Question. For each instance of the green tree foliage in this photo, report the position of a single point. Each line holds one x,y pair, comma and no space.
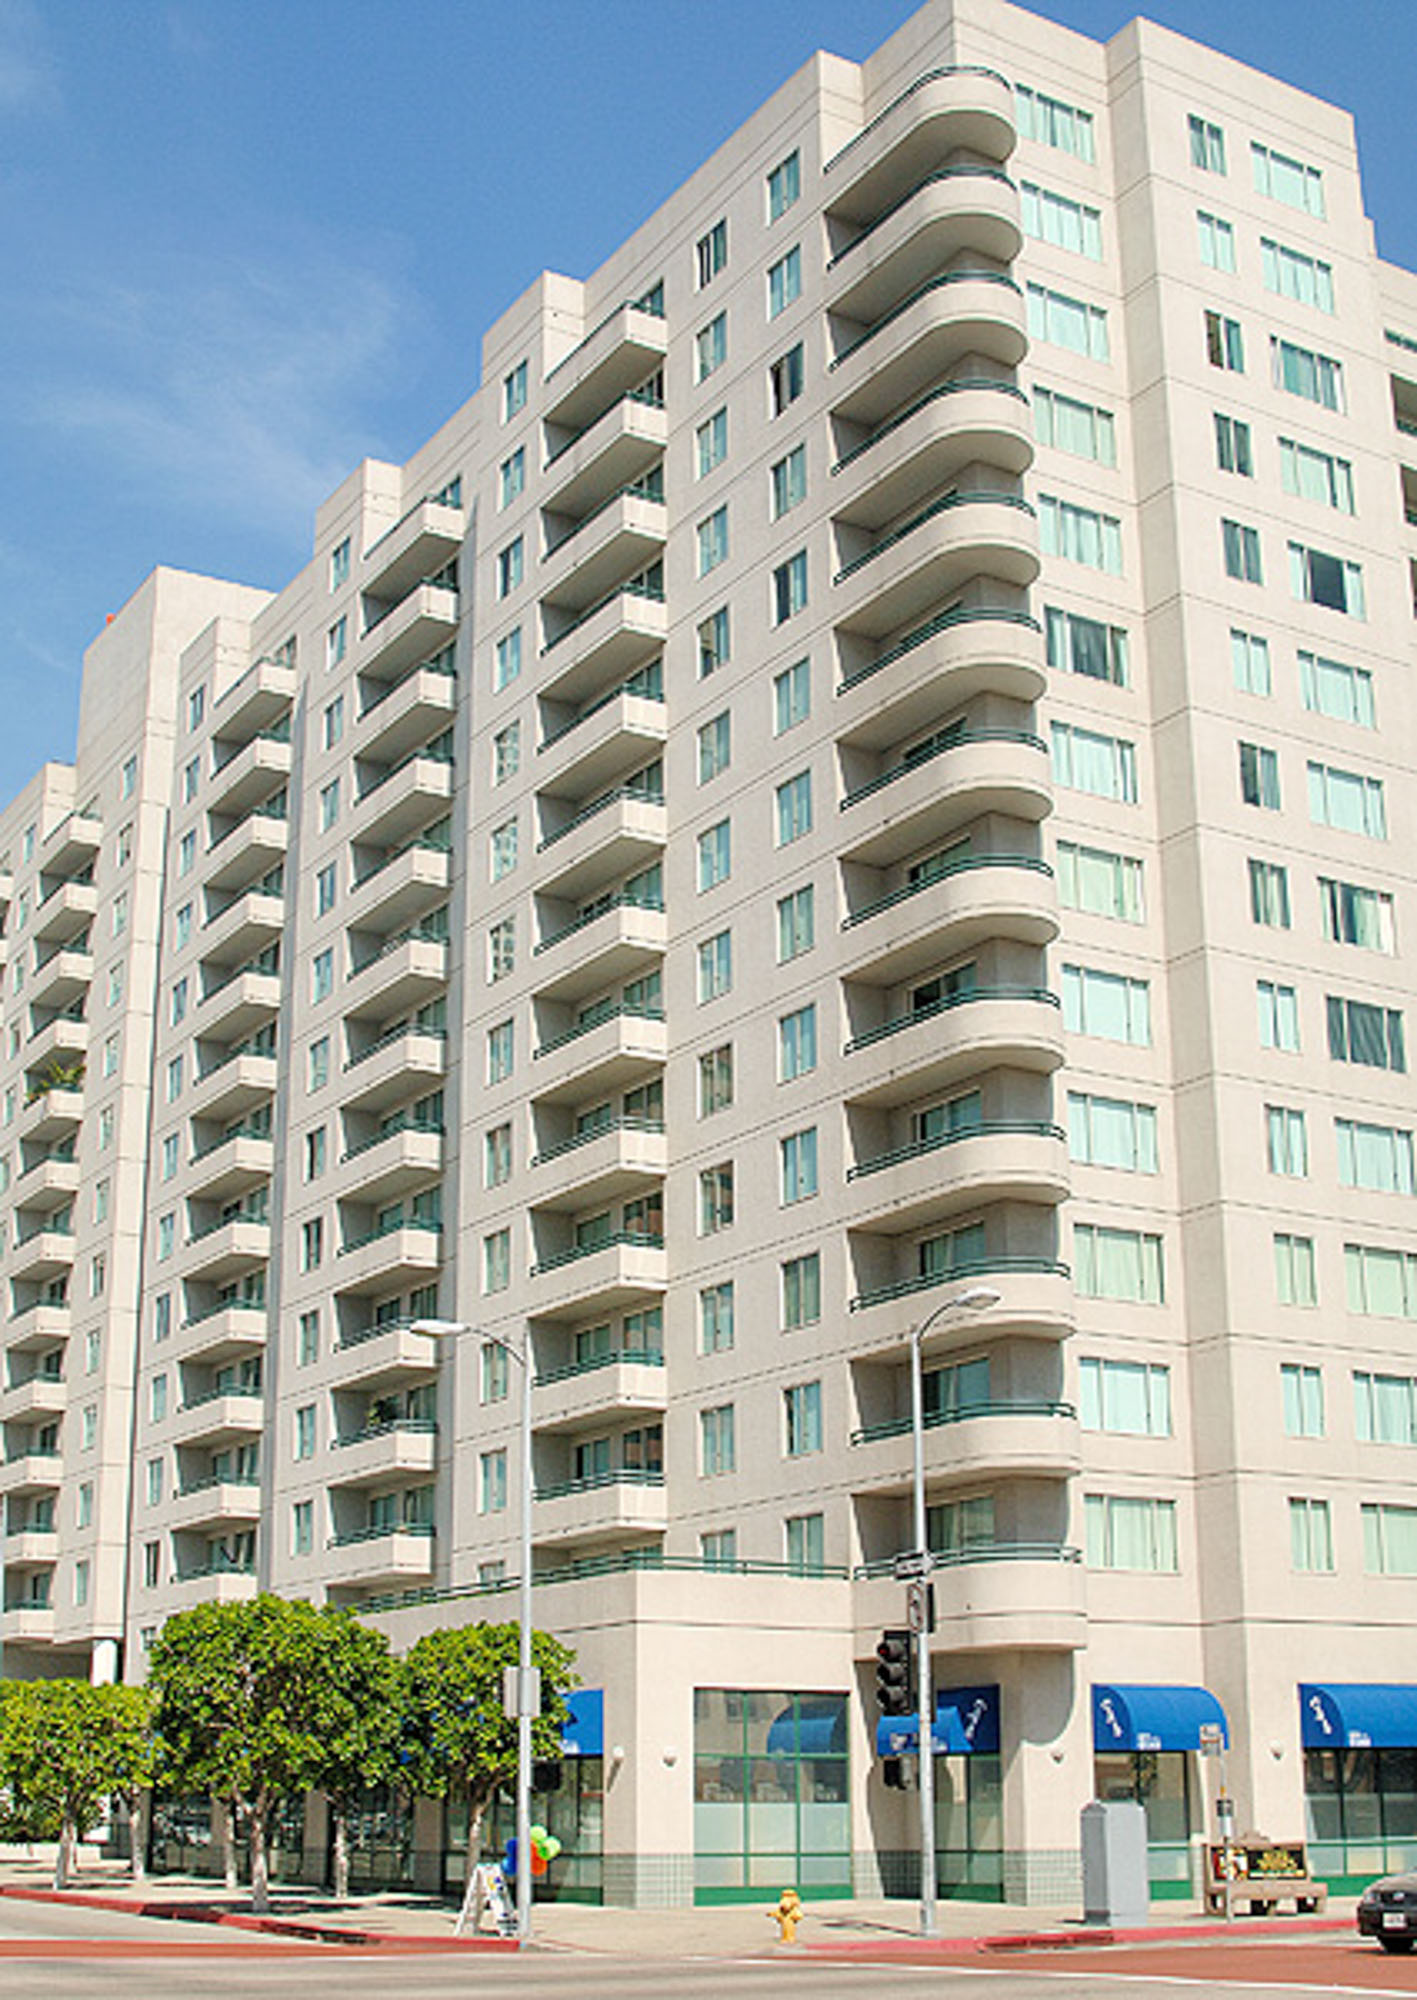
459,1742
66,1749
361,1710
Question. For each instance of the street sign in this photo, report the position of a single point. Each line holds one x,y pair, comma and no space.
920,1605
916,1562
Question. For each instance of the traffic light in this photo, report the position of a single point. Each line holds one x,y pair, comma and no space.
894,1774
895,1689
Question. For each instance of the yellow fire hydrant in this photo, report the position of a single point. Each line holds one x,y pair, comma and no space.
788,1914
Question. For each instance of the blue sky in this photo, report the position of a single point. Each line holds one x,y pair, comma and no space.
249,242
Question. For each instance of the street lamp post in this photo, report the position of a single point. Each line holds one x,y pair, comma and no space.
975,1299
522,1356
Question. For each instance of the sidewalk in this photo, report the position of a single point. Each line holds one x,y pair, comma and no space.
856,1930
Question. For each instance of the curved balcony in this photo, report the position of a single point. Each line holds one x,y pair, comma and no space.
918,450
606,642
1036,1439
254,703
613,1049
394,804
614,736
65,913
1009,1596
249,775
243,929
405,1448
219,1333
232,1165
959,904
938,1046
614,836
959,108
62,979
215,1504
604,365
219,1417
952,212
225,1250
399,890
1000,1159
419,544
394,1556
933,555
232,1086
249,849
1036,1300
387,1357
933,795
51,1116
605,1508
38,1396
615,943
236,1004
617,539
393,1163
383,1260
623,1157
42,1256
407,972
569,1398
416,627
394,1067
621,446
31,1472
927,675
396,719
614,1276
957,316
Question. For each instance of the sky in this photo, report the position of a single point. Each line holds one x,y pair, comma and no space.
246,243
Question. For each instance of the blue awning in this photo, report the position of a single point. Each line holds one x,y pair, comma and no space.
1153,1718
1358,1715
966,1723
810,1729
583,1732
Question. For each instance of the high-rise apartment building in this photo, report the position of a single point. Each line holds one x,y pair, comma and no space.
868,763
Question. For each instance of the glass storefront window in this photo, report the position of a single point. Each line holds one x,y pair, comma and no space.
771,1798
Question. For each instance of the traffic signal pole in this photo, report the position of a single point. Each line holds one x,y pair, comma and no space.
925,1719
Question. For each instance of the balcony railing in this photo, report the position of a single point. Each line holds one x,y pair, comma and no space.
653,592
596,1482
617,1239
384,1229
412,1426
969,498
392,1035
651,399
205,1313
959,614
242,1391
233,1132
215,1479
961,385
966,864
356,1336
654,1126
970,1267
651,489
260,1217
940,749
424,751
983,1128
389,1131
600,805
230,1567
979,1552
631,1357
945,279
926,76
597,1018
354,1536
599,910
965,1413
943,1005
633,305
940,174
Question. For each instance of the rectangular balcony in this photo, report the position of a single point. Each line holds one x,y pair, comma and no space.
614,836
235,1165
49,1184
408,972
419,544
394,1067
602,644
63,1039
569,1398
51,1117
243,929
205,1585
384,1260
585,752
28,1625
607,1508
235,1004
217,1418
624,443
613,1049
31,1548
215,1504
616,943
386,1357
39,1396
62,981
71,844
396,802
246,850
30,1472
44,1255
400,890
391,1452
254,703
394,720
214,1335
418,626
583,1283
249,775
65,913
393,1558
223,1251
617,540
392,1164
36,1327
231,1088
609,361
624,1158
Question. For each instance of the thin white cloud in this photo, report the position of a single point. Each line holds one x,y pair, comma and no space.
29,76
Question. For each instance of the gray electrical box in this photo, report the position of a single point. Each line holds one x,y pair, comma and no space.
1114,1870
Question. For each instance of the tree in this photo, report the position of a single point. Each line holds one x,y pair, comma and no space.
360,1693
243,1711
459,1742
66,1749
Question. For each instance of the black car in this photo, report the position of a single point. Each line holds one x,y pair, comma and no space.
1387,1910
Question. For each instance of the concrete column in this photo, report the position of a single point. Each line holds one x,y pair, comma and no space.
103,1662
1047,1760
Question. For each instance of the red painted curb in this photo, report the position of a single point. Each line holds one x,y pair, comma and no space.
291,1927
1030,1941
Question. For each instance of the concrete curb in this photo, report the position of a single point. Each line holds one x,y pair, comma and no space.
926,1950
174,1911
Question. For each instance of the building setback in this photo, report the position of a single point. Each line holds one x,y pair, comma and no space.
870,759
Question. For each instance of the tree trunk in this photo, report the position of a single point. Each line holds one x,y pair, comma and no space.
340,1827
228,1849
64,1854
476,1813
260,1878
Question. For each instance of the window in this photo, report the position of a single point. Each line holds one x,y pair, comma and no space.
1269,894
1084,760
334,722
1380,1283
312,1243
789,588
506,753
1302,1398
154,1489
1354,915
307,1339
1217,242
788,482
507,659
1376,1157
710,347
796,924
714,647
1099,882
715,1080
1082,429
1120,1264
804,1543
1259,776
322,975
325,882
305,1431
1310,1535
715,855
711,253
302,1528
497,1156
1384,1408
157,1394
162,1320
711,442
511,566
492,1482
1111,1132
712,541
127,785
319,1074
316,1150
336,642
83,1513
1347,801
500,1052
798,1159
1080,534
786,380
81,1580
717,1451
166,1236
1061,221
1286,1141
715,964
1061,321
797,1043
1242,552
1051,122
169,1157
794,808
502,950
1287,180
1343,693
802,1418
715,747
1232,446
514,388
784,282
497,1261
1293,275
187,851
152,1564
1389,1540
791,696
1279,1016
1131,1398
120,912
1107,1004
503,843
1304,373
1132,1534
329,804
1295,1276
123,846
496,1372
511,477
1224,343
716,1318
1249,662
1361,1033
1207,145
784,186
715,1198
801,1291
1316,475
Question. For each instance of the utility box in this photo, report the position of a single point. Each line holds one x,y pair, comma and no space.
1114,1871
